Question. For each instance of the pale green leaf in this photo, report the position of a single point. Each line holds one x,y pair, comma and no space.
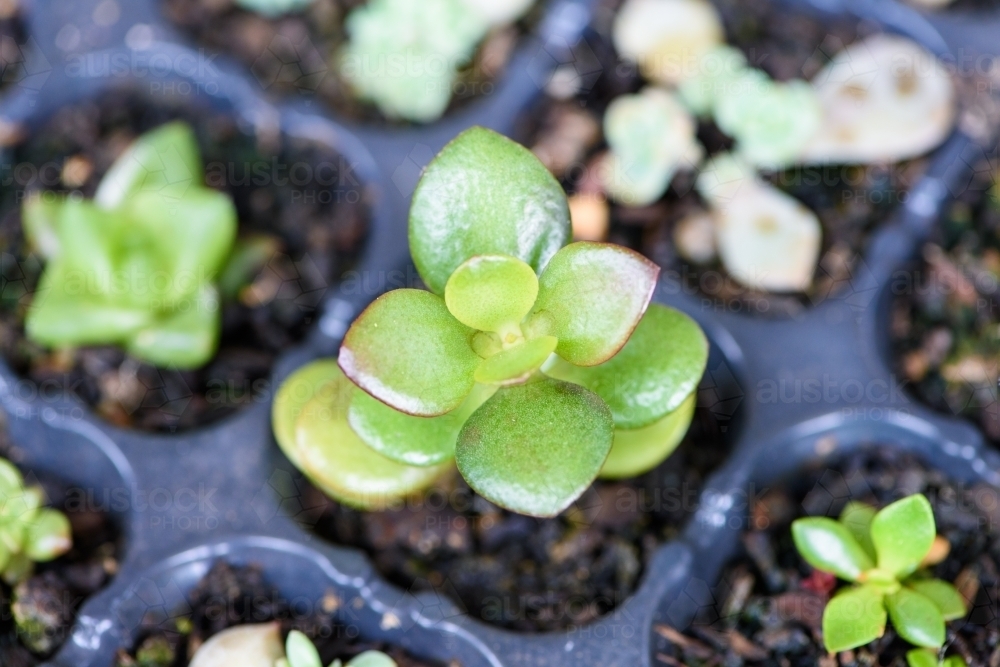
903,533
636,451
828,546
534,448
166,160
48,536
485,195
946,597
408,351
491,292
853,617
857,518
185,339
297,390
372,659
341,464
40,219
656,370
591,296
922,657
415,441
300,652
916,618
516,364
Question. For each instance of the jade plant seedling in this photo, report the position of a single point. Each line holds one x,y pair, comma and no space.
136,265
533,364
881,553
300,652
405,56
29,532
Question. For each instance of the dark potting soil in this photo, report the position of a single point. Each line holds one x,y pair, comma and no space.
299,204
299,53
229,596
57,589
850,200
946,313
770,602
523,573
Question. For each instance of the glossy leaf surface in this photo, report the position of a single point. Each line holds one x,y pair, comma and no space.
593,295
915,618
516,364
903,533
297,390
408,351
853,617
485,195
491,292
636,451
857,518
945,597
534,448
828,546
656,370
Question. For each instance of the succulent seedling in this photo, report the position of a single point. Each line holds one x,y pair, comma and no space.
300,652
274,7
404,56
29,532
881,553
135,266
534,364
925,657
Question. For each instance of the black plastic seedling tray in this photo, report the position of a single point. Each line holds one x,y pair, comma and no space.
226,491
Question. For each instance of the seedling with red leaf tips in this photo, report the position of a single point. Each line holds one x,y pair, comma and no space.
535,365
881,552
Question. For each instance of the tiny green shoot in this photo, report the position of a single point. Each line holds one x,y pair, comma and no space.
300,652
881,554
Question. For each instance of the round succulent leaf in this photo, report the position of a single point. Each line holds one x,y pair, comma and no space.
298,389
857,518
945,597
903,533
408,351
535,448
485,195
827,545
652,375
636,451
48,536
491,292
252,645
922,657
341,464
516,364
853,617
372,659
415,441
594,295
300,651
916,618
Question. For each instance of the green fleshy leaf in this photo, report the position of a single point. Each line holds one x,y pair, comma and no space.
534,448
341,464
60,315
300,652
301,387
165,160
11,480
87,236
485,195
48,536
591,296
491,292
40,219
954,661
18,568
408,351
5,556
516,364
656,370
922,657
945,597
636,451
903,533
916,618
372,659
192,237
828,546
853,617
857,518
187,339
415,441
